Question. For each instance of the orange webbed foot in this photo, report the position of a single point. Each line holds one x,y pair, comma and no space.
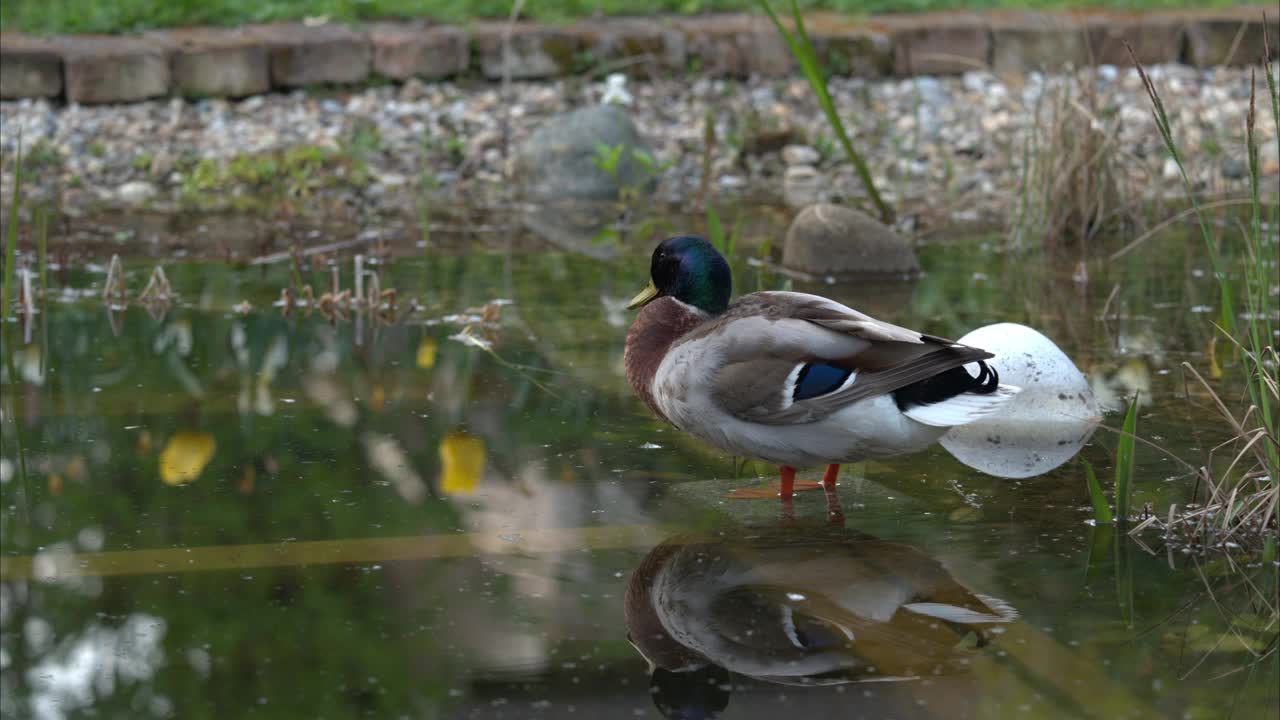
787,486
774,490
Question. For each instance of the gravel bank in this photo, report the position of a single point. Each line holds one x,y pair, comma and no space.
945,150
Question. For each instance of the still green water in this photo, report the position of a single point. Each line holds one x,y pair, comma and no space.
214,513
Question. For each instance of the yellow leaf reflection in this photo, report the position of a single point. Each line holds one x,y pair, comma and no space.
462,455
1215,370
184,456
427,353
76,468
143,443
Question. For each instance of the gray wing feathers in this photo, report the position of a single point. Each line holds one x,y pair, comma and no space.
754,386
765,335
840,318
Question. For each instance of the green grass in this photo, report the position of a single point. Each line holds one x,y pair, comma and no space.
116,16
11,241
807,58
1246,493
725,245
271,177
1101,509
1102,512
1124,461
42,248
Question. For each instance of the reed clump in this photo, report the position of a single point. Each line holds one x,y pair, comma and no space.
1238,486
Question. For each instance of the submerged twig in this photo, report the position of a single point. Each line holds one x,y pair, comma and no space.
113,291
158,290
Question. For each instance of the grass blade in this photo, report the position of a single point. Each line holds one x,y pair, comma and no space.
802,50
715,231
1101,508
1099,549
42,245
1124,580
1124,461
11,239
1227,315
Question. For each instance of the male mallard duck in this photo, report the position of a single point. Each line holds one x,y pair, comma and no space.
805,609
794,379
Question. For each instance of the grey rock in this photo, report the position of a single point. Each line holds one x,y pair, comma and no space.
802,185
100,69
834,240
1234,168
1269,158
215,62
563,159
161,164
579,226
410,50
932,92
800,155
136,192
525,51
29,67
304,55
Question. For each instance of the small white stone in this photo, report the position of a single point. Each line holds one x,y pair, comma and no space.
615,91
801,186
794,155
136,192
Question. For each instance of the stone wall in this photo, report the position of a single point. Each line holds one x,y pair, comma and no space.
212,62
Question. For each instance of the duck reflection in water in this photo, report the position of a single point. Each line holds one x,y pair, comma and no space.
798,606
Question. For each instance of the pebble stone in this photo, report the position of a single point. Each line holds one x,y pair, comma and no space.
962,138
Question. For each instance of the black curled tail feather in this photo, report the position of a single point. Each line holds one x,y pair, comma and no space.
946,385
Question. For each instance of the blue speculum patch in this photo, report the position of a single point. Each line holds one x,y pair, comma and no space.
817,379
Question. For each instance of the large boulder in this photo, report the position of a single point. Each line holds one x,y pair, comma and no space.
571,157
833,240
575,225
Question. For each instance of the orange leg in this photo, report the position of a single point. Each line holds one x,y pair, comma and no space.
787,489
829,477
835,514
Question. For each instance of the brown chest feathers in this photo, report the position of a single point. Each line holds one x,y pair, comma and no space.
656,328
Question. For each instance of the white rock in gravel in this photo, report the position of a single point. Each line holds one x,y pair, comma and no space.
392,180
794,155
136,192
1269,158
977,80
801,186
1041,427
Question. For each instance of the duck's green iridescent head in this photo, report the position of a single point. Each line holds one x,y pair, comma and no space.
690,270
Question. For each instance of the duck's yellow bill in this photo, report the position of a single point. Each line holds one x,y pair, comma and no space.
650,292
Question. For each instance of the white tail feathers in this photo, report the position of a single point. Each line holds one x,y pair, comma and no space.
963,408
1001,611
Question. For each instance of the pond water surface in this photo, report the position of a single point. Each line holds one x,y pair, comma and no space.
213,513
